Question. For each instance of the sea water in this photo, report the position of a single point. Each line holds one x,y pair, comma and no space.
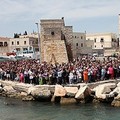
13,109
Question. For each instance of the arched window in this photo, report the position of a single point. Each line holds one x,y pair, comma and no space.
1,43
5,44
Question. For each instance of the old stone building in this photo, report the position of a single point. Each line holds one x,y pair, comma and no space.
4,45
55,41
119,24
119,28
103,42
80,45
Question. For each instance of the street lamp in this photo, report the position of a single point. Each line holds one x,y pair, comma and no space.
39,44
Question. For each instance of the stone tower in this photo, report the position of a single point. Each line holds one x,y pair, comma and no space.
119,25
55,41
119,30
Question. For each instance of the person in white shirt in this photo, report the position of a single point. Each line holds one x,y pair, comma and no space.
71,76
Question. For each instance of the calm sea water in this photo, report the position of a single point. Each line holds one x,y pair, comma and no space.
11,109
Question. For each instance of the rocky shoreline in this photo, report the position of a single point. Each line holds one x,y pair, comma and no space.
103,91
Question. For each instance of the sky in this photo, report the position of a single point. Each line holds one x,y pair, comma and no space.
92,16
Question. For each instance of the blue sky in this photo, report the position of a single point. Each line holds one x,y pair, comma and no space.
92,16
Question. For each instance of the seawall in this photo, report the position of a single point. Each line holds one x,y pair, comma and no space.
102,91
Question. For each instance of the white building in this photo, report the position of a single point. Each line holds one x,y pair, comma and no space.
32,35
23,43
103,40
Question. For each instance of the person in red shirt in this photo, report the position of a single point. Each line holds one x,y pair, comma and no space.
85,75
111,72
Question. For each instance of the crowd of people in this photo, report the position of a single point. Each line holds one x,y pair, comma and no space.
83,69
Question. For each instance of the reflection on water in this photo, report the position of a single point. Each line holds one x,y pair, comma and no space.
11,109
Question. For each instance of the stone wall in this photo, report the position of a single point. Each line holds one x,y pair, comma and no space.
103,91
68,32
55,51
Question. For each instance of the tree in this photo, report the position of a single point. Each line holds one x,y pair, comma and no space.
16,35
25,33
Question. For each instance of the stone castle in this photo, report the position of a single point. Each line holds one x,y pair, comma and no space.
56,41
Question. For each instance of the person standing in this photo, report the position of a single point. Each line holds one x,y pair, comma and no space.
85,75
111,72
71,77
26,75
21,77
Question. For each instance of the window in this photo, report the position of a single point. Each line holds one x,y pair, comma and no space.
17,42
30,48
12,43
33,42
81,44
113,40
36,41
75,36
36,49
24,49
95,46
101,45
18,49
5,44
24,42
30,51
81,37
52,33
94,39
102,40
1,43
76,44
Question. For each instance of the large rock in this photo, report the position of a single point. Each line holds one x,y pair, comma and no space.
65,101
50,87
115,92
116,103
22,87
31,90
28,98
117,97
71,91
9,92
102,90
83,92
55,99
118,85
60,91
7,83
40,93
23,94
1,89
9,89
